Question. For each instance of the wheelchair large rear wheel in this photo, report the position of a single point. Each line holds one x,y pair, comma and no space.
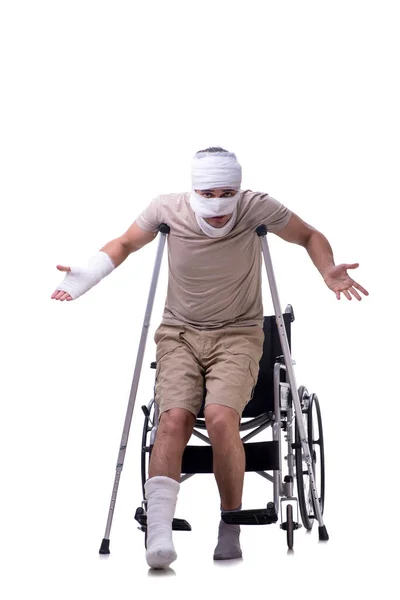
311,415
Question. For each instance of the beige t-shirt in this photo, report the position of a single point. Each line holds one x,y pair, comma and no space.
214,282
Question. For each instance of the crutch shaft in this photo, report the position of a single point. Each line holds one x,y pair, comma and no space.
262,232
164,229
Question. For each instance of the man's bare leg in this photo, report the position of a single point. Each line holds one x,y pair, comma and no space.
162,487
229,467
228,452
174,431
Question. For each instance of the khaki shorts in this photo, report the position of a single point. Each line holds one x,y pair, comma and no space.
222,363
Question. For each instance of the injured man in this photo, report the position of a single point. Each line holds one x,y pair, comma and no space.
211,334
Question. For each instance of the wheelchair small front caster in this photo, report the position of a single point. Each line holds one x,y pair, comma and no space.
289,526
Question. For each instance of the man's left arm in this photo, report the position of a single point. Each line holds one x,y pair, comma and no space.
336,277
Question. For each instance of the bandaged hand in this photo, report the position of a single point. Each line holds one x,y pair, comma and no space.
79,280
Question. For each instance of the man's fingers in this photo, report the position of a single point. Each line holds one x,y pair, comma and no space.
355,293
359,287
352,266
61,295
62,268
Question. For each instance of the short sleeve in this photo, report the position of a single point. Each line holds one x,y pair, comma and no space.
277,216
261,209
149,219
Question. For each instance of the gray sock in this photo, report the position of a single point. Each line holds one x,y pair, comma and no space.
228,545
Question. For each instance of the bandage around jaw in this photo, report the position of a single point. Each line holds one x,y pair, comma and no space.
217,232
81,279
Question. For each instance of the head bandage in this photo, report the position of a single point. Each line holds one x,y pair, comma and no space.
216,170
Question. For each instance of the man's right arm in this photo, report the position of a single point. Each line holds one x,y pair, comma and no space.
79,280
131,241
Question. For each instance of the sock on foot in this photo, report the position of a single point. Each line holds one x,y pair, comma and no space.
161,495
228,545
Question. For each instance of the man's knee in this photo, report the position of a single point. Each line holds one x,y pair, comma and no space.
221,420
177,422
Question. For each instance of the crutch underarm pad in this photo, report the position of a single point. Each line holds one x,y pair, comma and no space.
261,230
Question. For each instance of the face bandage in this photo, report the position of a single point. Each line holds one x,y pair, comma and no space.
213,207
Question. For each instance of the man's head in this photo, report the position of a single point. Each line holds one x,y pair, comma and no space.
216,179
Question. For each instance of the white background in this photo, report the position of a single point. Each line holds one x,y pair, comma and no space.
103,105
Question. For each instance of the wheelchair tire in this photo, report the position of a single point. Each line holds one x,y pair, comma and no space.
289,526
312,417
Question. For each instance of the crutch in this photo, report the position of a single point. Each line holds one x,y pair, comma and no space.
164,230
262,233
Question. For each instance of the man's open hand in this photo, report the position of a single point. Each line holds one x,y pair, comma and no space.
338,280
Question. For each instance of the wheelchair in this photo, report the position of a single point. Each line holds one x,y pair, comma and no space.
292,413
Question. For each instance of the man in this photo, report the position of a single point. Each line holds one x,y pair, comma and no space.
211,333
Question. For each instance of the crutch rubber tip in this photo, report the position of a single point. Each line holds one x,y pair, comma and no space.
105,547
261,230
323,534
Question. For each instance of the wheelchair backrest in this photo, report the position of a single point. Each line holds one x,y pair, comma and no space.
263,396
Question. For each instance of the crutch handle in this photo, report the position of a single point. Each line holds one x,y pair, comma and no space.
261,230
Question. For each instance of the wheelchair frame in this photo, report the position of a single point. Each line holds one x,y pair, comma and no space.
286,398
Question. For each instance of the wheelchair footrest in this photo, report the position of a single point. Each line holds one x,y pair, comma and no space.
258,516
177,524
181,525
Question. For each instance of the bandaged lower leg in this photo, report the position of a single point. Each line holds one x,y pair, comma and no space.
228,545
161,495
